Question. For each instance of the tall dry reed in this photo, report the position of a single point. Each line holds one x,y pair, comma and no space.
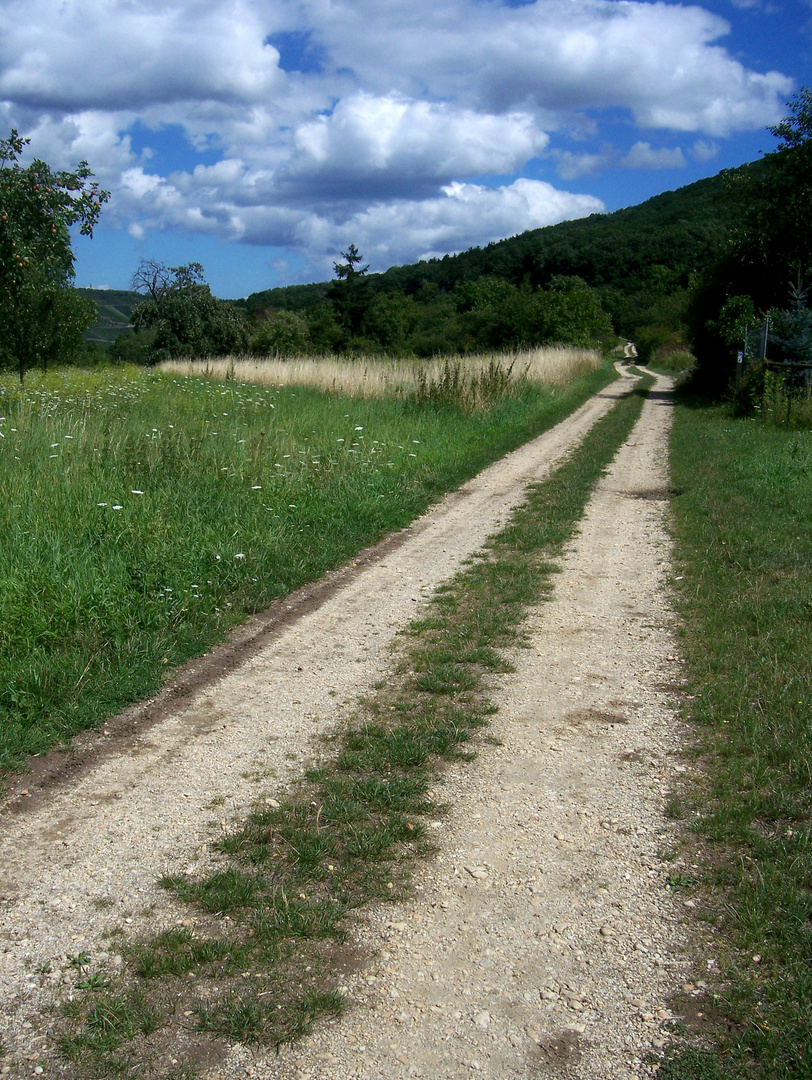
385,377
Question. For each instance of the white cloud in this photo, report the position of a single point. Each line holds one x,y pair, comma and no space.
659,61
571,166
643,156
397,230
373,136
374,144
72,55
704,150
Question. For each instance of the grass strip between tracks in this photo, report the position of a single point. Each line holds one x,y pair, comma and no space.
256,957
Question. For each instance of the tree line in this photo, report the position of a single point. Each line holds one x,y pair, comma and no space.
179,317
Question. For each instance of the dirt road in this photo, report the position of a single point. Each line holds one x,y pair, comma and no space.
543,934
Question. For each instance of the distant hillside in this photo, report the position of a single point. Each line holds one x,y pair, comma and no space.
115,307
665,240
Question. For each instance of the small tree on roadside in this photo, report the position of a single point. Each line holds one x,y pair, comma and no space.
186,319
42,319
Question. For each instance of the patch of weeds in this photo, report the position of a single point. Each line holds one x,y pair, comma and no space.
272,1018
680,881
107,1025
674,809
97,981
222,892
177,952
686,1063
80,961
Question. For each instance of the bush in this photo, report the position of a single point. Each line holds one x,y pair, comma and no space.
283,333
674,357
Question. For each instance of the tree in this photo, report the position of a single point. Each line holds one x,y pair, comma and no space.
350,269
795,130
281,333
349,294
784,206
186,319
41,318
390,319
771,249
156,279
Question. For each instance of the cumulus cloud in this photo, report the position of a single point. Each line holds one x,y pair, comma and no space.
393,140
573,165
704,150
112,54
396,230
643,156
661,62
386,140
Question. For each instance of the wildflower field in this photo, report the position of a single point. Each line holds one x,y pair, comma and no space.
144,514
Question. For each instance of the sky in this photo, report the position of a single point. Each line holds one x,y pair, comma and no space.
262,137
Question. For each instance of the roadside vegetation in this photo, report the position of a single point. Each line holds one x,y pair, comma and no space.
743,525
252,957
143,516
467,383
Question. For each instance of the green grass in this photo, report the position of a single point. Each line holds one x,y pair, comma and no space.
270,922
743,522
143,516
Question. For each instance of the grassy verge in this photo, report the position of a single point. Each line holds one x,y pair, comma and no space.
743,524
267,926
143,516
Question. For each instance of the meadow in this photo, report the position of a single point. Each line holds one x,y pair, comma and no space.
743,526
144,514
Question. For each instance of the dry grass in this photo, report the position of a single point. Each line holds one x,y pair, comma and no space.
382,377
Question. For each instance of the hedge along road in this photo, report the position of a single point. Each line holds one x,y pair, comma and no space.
543,932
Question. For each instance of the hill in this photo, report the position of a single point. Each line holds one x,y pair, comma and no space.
660,244
582,282
115,307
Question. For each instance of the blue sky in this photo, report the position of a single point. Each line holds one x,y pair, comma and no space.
261,137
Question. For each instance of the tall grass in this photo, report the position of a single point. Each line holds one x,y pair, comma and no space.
554,366
143,515
784,407
743,522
